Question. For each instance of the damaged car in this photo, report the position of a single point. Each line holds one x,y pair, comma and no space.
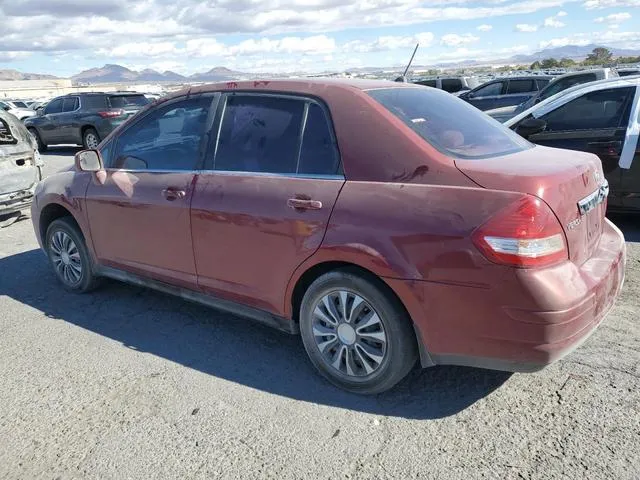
20,168
600,117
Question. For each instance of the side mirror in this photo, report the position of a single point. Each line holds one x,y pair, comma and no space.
530,126
88,161
40,111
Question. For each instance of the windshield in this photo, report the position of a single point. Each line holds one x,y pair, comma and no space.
19,104
451,125
122,101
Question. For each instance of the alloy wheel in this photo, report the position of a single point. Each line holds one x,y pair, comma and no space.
66,258
349,334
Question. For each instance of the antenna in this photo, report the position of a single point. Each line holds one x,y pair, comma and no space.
411,61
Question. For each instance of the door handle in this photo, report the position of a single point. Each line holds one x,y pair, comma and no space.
302,204
172,194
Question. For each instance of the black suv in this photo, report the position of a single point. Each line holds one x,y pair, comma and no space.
83,118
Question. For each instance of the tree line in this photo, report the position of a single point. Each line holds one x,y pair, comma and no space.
598,56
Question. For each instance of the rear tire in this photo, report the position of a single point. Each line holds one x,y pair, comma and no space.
69,257
34,133
357,334
90,139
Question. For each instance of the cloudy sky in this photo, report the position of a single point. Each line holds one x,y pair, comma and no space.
63,37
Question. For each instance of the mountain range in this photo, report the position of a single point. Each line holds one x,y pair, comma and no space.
112,73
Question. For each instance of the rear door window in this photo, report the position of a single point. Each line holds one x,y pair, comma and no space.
319,153
126,101
451,85
453,127
70,104
593,110
489,90
521,86
260,134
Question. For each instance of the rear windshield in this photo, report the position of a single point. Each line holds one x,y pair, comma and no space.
20,104
122,101
449,124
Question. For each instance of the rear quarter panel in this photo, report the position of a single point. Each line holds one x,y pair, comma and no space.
416,238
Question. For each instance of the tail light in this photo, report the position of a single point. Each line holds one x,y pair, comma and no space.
111,113
524,234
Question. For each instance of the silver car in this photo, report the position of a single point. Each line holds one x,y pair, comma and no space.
20,166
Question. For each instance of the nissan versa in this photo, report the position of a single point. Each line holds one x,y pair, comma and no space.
384,222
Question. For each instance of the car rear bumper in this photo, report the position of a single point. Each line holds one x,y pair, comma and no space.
531,319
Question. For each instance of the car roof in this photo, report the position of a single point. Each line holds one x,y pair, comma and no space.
570,93
311,86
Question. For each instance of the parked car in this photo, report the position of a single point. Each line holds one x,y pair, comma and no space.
20,166
450,84
628,72
357,213
600,118
83,118
16,108
504,92
556,85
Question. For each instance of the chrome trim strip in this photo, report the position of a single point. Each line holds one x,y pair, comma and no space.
231,173
594,199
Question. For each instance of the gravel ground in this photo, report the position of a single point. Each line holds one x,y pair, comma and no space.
128,383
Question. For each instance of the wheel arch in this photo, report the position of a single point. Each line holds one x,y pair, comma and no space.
51,212
307,274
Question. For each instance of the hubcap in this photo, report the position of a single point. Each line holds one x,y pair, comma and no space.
349,333
92,140
65,257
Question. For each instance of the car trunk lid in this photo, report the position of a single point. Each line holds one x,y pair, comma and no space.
570,182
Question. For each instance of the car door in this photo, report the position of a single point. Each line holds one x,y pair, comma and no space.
486,96
139,209
518,91
263,205
594,122
631,175
66,120
48,122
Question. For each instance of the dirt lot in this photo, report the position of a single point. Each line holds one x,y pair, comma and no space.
128,383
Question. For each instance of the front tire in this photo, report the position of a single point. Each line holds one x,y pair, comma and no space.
356,333
69,257
90,139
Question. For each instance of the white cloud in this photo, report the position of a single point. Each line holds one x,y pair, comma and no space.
614,18
455,40
485,28
561,13
389,42
599,4
553,22
526,27
609,38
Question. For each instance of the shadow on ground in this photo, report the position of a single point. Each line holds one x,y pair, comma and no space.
229,347
629,224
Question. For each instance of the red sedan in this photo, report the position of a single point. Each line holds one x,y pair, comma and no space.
384,222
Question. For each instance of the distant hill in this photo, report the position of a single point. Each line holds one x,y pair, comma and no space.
16,75
216,74
111,73
574,52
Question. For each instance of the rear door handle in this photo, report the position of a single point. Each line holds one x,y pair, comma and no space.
302,204
172,194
